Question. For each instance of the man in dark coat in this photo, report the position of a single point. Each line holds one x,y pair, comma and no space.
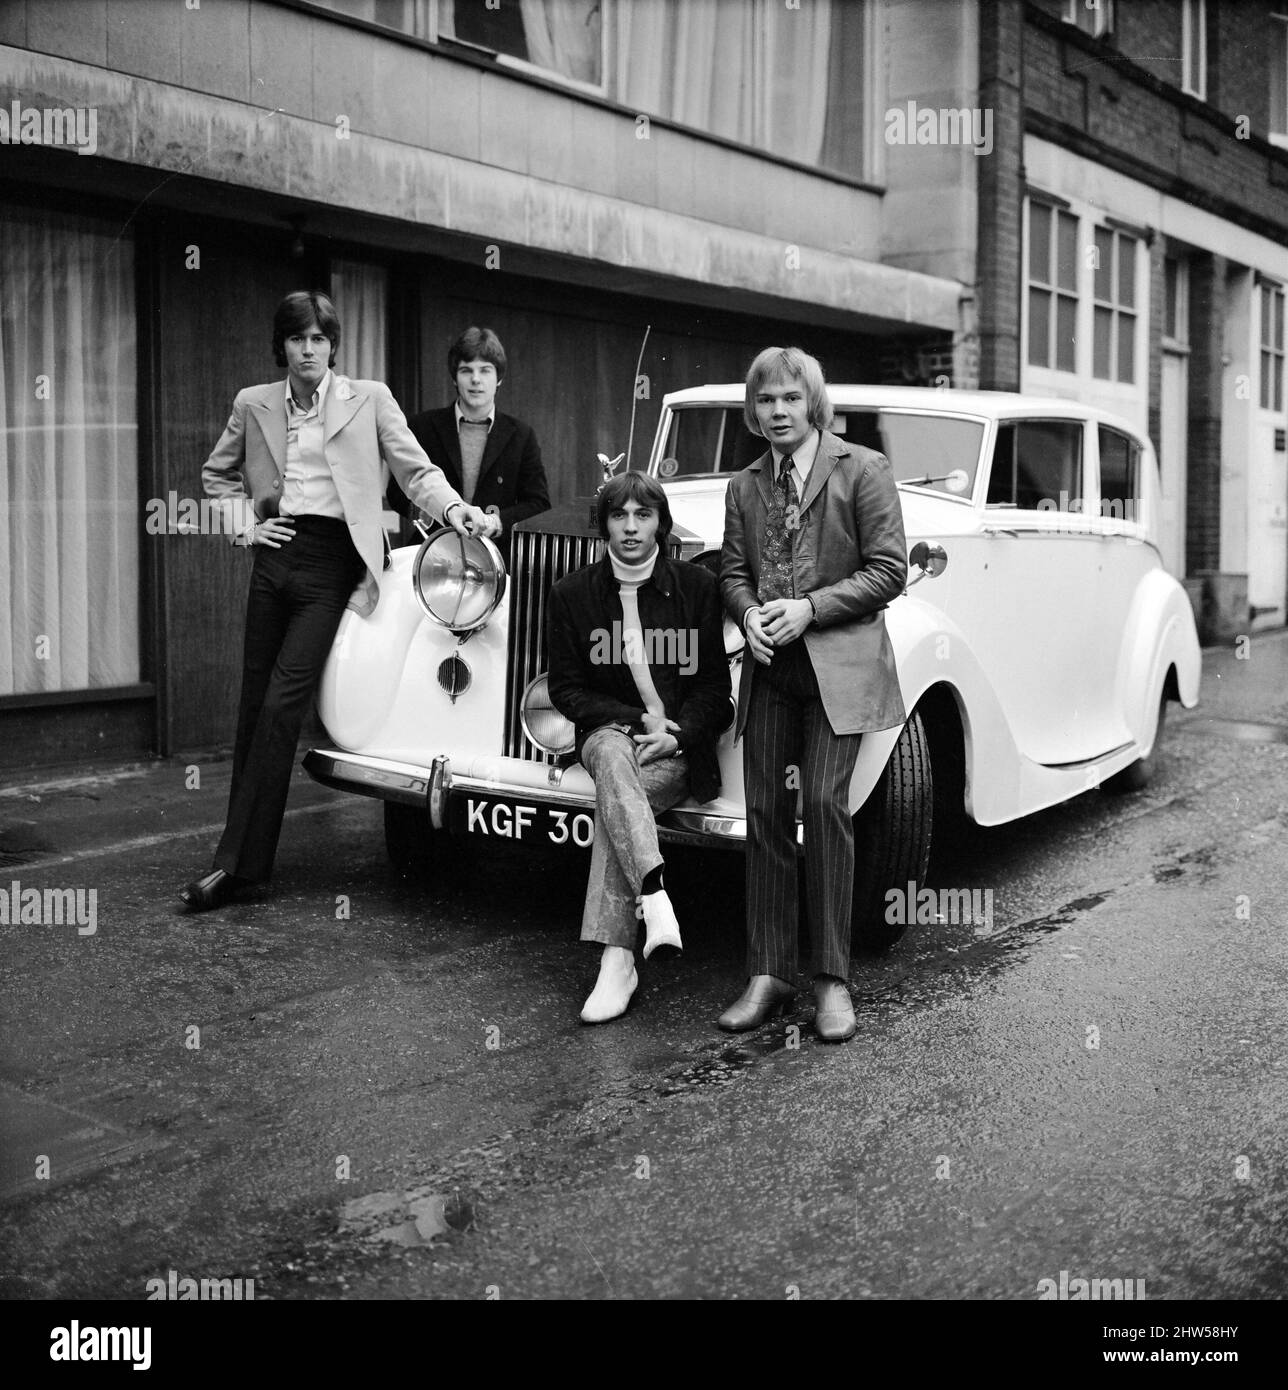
491,459
638,664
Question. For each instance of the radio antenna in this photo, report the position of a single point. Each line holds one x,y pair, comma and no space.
630,438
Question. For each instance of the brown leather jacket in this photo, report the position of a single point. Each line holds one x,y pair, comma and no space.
849,555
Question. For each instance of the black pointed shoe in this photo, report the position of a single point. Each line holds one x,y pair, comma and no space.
205,894
834,1019
764,998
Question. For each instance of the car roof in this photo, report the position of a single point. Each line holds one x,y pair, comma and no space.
989,404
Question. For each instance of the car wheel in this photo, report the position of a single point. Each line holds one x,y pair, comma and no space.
892,837
1137,776
410,839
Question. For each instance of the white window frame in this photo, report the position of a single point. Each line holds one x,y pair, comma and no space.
1194,47
1116,307
1093,17
1280,137
1051,287
1268,293
596,89
1180,341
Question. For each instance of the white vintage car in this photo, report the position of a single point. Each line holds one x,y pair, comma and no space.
1038,642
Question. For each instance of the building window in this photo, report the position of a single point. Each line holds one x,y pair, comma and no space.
1176,302
406,16
1194,48
1037,465
1113,330
563,38
793,82
1272,346
1053,287
1094,17
1279,79
69,472
361,293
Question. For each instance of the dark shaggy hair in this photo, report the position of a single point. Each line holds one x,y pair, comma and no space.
296,312
475,343
643,491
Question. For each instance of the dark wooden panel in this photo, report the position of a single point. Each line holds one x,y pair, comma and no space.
214,338
52,735
572,355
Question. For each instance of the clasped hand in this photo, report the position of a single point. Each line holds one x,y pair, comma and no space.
657,740
776,623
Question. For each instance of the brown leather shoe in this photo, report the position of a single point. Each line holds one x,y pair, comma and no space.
834,1019
764,997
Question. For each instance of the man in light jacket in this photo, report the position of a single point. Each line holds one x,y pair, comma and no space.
297,473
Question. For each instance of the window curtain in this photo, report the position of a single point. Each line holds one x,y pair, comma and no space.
750,70
361,295
562,36
69,534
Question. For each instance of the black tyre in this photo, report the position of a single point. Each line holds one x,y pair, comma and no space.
411,840
892,833
1135,777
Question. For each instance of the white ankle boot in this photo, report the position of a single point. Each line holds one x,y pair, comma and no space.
613,990
660,926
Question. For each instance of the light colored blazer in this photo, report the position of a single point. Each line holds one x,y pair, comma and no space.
362,426
849,555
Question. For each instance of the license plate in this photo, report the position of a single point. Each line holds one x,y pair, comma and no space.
504,818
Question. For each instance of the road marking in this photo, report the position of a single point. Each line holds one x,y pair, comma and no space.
147,841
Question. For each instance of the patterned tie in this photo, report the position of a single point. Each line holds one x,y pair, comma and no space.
776,544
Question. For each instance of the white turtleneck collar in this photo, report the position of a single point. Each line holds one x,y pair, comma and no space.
638,573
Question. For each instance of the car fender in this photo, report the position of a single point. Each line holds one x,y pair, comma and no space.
1159,633
369,658
930,650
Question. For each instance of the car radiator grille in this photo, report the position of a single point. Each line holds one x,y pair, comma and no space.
538,560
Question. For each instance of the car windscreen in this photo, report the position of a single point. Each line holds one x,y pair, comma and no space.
703,440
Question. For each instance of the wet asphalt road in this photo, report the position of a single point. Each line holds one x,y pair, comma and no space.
401,1102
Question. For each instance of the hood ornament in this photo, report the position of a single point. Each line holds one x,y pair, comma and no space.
608,467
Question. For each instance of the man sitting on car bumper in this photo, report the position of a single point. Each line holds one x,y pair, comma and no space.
637,663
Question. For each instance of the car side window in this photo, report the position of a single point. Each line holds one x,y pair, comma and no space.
1119,475
1037,464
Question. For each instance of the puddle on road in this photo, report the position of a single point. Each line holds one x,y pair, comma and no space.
407,1218
730,1063
1245,730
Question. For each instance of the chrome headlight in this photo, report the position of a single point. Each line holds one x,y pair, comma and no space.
459,580
543,724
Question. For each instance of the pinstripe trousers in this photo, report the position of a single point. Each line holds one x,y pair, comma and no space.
788,743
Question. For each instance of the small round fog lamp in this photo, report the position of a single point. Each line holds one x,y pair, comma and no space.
542,723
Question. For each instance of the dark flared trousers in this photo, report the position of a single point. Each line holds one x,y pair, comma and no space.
297,596
788,744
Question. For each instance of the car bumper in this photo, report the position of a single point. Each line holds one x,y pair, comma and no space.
432,789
